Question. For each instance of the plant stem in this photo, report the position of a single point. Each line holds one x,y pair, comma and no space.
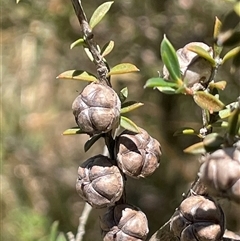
102,69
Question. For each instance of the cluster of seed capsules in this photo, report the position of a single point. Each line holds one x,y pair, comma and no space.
101,180
200,218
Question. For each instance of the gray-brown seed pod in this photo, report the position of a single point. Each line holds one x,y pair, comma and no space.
137,154
194,69
220,172
99,182
97,109
124,222
198,219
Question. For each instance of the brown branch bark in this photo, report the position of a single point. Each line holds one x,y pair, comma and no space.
88,36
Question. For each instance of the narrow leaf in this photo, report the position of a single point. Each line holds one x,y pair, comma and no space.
213,141
89,54
186,131
197,148
91,141
237,8
220,85
79,42
99,13
123,94
228,110
130,107
61,237
217,28
234,122
123,68
77,75
54,231
107,48
167,90
207,101
159,82
128,124
73,131
202,53
230,54
170,60
235,63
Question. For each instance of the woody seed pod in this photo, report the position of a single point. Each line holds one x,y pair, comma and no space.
194,69
198,219
220,172
99,182
97,109
137,154
124,222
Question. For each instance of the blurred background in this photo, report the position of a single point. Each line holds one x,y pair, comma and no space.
39,164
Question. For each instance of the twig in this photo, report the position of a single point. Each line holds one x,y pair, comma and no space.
82,222
102,69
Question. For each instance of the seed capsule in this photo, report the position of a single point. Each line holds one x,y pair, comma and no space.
220,172
198,219
194,69
137,154
124,223
99,182
97,109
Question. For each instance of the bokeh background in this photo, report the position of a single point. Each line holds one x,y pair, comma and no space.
39,165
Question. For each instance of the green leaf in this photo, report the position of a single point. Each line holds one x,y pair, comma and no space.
54,231
89,54
237,8
99,13
123,94
123,68
186,131
170,60
213,141
73,131
107,48
128,124
91,141
159,82
197,148
207,101
77,75
230,54
220,123
235,62
61,237
201,52
217,28
228,110
234,122
79,42
129,106
167,90
220,85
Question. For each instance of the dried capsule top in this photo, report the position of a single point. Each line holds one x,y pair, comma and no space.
97,109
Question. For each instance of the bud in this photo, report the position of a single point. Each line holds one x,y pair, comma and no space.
99,182
220,172
137,154
198,219
97,109
194,69
124,223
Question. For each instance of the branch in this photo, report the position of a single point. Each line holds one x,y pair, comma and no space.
102,69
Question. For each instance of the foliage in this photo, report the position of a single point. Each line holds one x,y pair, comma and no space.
36,40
